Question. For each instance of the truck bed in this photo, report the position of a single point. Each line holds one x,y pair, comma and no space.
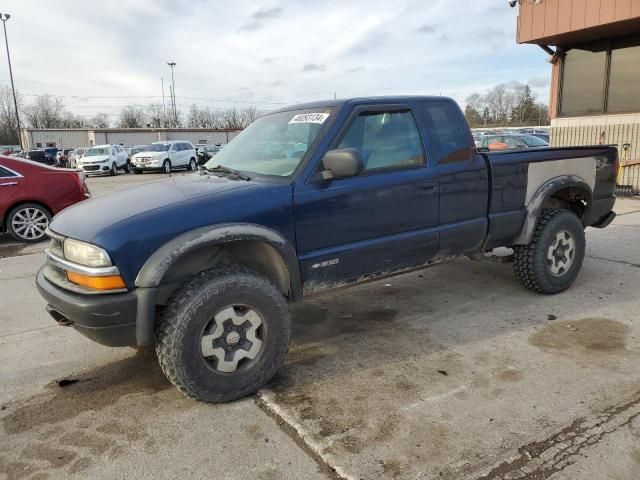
517,177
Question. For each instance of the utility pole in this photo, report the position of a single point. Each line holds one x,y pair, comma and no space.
4,17
173,84
164,108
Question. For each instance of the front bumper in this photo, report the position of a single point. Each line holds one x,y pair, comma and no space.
108,319
96,169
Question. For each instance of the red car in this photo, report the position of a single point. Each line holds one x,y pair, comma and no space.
32,193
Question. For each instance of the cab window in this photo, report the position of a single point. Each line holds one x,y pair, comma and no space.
385,139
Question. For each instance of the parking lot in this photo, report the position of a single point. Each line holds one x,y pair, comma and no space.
454,372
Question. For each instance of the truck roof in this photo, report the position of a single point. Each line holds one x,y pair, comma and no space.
362,100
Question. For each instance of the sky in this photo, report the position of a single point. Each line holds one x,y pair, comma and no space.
101,56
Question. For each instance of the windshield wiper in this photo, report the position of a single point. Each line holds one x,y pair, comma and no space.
229,171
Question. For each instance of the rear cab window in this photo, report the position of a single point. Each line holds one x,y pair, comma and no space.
447,131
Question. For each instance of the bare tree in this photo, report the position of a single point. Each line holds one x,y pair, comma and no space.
8,120
99,120
131,117
70,120
46,111
156,115
248,115
235,118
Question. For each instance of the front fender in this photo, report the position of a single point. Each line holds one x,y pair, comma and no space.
154,269
163,258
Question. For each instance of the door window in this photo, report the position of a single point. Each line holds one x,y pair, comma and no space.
385,139
4,173
513,143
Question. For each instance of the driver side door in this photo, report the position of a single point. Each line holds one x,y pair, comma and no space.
378,222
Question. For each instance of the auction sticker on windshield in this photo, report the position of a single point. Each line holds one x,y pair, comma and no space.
315,117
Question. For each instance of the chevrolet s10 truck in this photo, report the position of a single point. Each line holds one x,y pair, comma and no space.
309,198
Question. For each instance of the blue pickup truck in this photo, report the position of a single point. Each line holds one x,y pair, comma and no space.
309,198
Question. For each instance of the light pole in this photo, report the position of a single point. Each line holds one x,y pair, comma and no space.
4,17
173,84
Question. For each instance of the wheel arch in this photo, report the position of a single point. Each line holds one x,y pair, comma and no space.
254,246
570,192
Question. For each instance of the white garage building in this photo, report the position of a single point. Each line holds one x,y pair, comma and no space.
87,137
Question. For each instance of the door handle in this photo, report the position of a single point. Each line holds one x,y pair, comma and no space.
428,185
8,184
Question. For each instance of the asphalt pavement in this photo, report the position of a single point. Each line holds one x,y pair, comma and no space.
452,372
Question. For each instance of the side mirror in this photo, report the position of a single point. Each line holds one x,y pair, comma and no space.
342,163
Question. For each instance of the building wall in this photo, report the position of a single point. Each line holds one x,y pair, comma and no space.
619,130
603,129
551,18
61,138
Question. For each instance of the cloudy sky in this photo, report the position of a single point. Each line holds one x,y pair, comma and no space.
99,56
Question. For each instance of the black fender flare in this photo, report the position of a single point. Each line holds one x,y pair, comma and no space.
544,192
150,275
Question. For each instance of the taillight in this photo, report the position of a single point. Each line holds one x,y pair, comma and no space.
81,183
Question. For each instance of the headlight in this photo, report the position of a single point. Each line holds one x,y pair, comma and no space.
85,254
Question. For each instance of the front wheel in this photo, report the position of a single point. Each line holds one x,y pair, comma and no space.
166,166
553,259
223,335
193,166
114,170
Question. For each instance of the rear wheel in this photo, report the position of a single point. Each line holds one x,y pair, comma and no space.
166,166
28,222
127,167
553,259
224,334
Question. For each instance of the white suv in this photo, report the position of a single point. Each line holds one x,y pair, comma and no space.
103,159
165,156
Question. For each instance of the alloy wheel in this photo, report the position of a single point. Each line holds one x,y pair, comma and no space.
560,253
30,223
233,339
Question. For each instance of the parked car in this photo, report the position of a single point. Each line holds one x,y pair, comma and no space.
75,155
204,265
543,136
104,159
51,153
137,149
165,156
206,152
512,142
62,158
36,156
32,193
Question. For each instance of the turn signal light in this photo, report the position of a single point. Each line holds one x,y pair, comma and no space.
111,282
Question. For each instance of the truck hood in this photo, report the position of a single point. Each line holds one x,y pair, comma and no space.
87,219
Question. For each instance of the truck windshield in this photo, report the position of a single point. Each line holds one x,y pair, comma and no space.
274,144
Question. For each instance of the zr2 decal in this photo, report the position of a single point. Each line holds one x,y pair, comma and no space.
326,263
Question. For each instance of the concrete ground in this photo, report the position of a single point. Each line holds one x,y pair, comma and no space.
453,372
